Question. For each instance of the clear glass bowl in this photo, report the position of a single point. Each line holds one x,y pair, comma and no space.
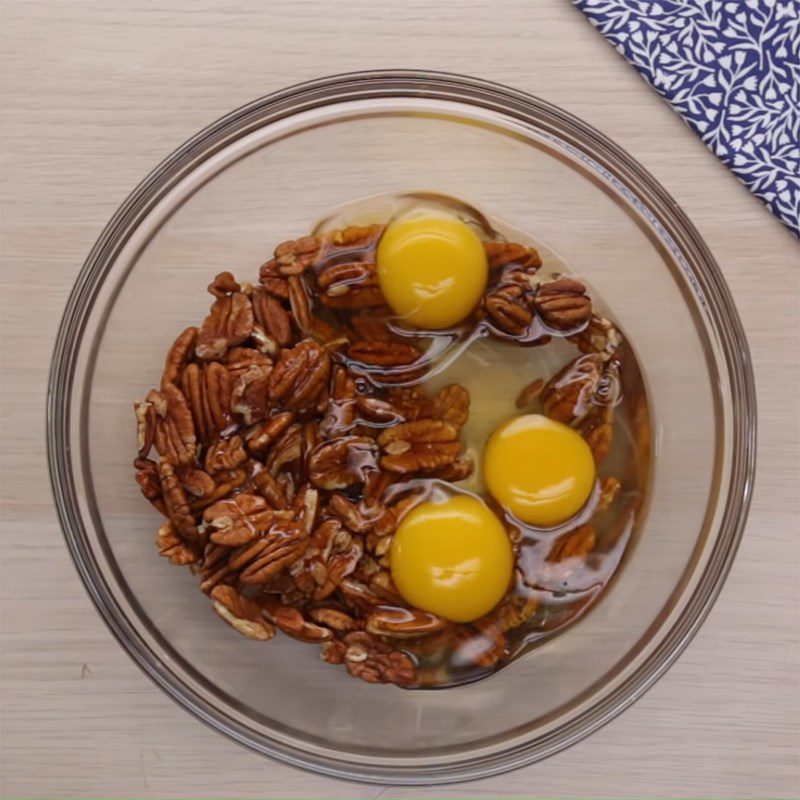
264,173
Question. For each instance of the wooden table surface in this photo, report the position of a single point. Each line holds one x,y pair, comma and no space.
95,93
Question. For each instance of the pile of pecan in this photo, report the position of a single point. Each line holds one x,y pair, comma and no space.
292,434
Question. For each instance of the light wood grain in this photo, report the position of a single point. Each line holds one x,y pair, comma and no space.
95,93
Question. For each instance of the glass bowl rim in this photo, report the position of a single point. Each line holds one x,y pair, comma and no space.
661,210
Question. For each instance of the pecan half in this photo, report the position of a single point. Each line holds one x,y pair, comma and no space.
384,354
355,239
225,454
149,482
238,520
505,254
249,396
272,316
306,506
514,610
240,359
229,323
269,488
451,404
263,558
300,304
454,472
172,546
292,622
226,482
599,336
207,387
342,462
369,328
575,544
311,437
299,376
350,286
287,451
413,402
354,244
174,436
145,426
598,430
178,356
340,412
381,583
354,515
223,284
371,515
176,502
242,614
332,652
373,412
403,623
569,395
264,342
262,435
291,257
609,489
358,595
215,569
336,278
332,337
197,482
563,304
378,546
391,515
332,555
333,618
482,646
273,283
509,310
375,661
423,445
484,642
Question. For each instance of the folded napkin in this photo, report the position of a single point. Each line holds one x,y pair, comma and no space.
731,69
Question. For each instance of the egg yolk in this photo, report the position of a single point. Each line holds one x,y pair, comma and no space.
540,470
452,558
432,271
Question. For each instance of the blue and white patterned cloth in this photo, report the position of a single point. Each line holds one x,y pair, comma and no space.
731,69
